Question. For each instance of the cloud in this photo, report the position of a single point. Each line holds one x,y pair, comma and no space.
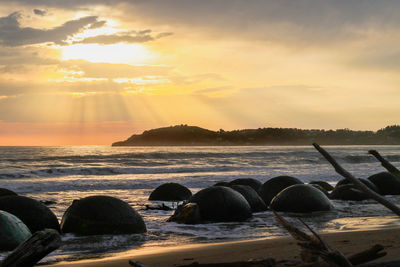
12,34
125,37
39,12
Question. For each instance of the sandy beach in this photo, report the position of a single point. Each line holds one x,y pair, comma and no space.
279,248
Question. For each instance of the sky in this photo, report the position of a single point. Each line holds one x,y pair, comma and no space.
93,72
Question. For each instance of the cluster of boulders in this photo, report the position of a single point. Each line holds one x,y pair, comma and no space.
238,199
21,216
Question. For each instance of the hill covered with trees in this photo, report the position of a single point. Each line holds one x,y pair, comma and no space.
184,135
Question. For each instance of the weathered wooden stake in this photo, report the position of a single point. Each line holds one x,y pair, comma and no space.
357,182
386,164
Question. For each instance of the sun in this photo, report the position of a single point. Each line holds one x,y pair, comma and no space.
132,54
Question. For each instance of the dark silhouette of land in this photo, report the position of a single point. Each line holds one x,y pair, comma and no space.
183,135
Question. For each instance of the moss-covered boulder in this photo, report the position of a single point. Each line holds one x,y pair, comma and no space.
13,231
348,192
386,183
255,201
221,204
253,183
31,212
275,185
301,198
366,182
7,192
170,192
323,184
97,215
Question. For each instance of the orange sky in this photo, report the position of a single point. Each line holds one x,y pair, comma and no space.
87,72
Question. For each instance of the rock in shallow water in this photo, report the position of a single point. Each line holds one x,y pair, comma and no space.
31,212
170,192
255,201
253,183
7,192
275,185
97,215
386,183
13,231
221,204
348,192
301,198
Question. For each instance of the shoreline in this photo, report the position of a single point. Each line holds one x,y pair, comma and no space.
348,242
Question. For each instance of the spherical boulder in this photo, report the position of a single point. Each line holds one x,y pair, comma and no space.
348,192
170,192
7,192
221,204
222,184
275,185
31,212
255,201
320,188
386,183
13,231
97,215
253,183
366,182
301,198
323,184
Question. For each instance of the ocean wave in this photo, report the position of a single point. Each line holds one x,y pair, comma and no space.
104,171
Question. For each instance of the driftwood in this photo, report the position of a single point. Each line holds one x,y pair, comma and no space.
314,246
367,255
386,164
357,182
33,249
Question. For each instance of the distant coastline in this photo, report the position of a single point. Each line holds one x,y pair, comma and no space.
184,135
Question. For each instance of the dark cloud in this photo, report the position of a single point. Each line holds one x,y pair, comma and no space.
12,34
304,21
39,12
126,37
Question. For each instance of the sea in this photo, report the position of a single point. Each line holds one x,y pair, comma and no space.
61,174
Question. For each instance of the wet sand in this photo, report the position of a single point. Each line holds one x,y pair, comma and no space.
349,242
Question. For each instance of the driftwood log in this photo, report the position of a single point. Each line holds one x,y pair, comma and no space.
386,164
33,249
357,182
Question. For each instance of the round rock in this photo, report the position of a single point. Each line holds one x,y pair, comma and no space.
348,192
31,212
13,231
221,204
253,183
275,185
7,192
255,201
301,198
386,183
366,182
222,184
170,192
98,215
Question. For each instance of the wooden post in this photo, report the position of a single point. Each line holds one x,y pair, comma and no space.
357,182
386,164
33,249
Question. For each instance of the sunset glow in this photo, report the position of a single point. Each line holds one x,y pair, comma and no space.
154,64
116,53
